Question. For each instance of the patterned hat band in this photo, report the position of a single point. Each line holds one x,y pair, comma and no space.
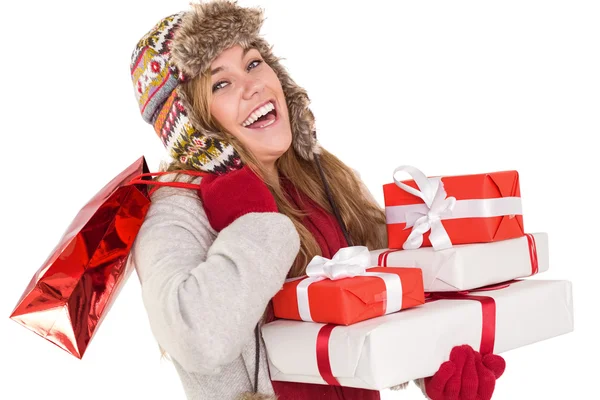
182,46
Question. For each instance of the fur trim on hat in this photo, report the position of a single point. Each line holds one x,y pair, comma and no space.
255,396
210,28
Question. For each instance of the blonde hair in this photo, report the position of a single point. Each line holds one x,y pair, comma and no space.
362,216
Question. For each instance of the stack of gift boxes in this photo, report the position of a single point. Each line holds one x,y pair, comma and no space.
455,272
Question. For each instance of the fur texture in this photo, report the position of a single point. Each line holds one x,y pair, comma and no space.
401,386
421,385
210,28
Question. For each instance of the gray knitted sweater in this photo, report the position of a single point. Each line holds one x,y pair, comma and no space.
204,292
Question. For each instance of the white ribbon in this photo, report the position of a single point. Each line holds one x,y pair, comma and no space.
437,207
433,194
348,262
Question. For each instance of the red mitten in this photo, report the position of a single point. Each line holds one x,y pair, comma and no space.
446,383
495,363
489,368
466,376
227,197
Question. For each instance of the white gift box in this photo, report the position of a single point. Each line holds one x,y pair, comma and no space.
386,351
469,266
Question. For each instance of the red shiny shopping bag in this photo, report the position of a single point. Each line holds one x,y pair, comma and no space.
71,293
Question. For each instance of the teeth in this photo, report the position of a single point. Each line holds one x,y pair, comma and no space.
258,113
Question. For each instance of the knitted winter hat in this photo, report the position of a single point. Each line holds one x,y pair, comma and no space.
182,46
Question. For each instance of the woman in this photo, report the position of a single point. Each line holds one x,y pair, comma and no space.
210,261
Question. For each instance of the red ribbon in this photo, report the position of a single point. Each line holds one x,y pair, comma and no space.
138,179
488,330
532,253
488,311
382,260
323,361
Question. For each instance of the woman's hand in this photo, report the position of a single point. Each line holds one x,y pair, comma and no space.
466,376
227,197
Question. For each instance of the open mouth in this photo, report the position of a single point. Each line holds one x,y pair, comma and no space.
268,118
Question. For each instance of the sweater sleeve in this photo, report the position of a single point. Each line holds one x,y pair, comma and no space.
204,292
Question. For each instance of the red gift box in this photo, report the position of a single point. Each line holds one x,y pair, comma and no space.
375,292
448,210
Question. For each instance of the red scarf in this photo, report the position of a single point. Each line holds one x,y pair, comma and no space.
326,230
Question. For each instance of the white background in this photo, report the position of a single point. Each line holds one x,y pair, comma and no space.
450,87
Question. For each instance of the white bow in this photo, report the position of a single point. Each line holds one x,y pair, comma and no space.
433,194
346,263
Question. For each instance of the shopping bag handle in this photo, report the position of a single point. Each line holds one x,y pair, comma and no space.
137,180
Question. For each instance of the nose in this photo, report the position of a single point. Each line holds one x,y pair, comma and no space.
252,85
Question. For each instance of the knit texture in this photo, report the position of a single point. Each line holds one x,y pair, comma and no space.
155,79
204,292
227,197
256,396
322,225
467,375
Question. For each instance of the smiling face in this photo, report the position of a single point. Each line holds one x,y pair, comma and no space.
248,101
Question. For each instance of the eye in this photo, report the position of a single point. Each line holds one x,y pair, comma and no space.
217,86
259,61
